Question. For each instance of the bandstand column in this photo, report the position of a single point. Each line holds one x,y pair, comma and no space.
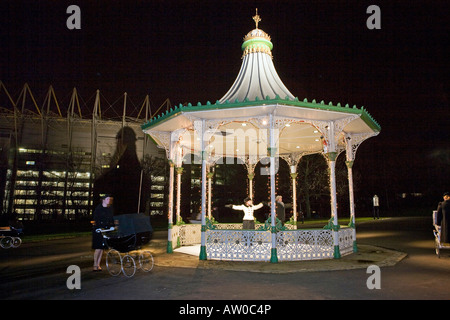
209,175
294,193
350,157
335,226
272,153
179,171
170,207
352,202
250,165
331,155
250,177
204,165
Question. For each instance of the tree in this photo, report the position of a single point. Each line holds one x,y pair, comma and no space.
312,180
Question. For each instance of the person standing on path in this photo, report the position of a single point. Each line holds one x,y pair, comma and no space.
376,207
103,217
443,218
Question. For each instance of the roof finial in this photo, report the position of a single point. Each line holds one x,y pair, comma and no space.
256,18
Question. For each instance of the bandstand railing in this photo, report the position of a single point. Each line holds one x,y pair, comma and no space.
230,242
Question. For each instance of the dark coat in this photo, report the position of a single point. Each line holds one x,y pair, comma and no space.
104,218
443,220
280,211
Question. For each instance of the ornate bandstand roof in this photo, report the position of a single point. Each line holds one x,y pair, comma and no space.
237,123
257,77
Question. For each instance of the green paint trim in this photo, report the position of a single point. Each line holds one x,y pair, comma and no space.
173,112
202,253
331,226
355,246
209,224
257,41
331,156
273,255
169,247
151,139
337,252
351,224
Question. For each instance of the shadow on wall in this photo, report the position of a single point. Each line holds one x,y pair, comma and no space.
123,177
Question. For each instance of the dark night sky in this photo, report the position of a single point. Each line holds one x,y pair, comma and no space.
189,51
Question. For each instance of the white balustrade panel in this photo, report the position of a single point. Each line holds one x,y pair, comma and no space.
304,245
242,245
346,240
187,234
252,245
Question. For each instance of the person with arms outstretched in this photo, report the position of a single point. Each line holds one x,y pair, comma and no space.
248,222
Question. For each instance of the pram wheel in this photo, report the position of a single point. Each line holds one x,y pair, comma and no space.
146,261
128,266
134,230
10,242
6,242
114,262
438,251
16,242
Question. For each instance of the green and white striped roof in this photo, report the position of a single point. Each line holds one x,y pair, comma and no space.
257,92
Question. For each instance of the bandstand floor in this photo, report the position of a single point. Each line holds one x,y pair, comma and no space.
192,250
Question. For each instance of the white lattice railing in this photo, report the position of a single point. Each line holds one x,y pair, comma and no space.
189,234
304,245
186,235
243,245
346,240
252,245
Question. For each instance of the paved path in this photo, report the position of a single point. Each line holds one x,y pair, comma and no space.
403,248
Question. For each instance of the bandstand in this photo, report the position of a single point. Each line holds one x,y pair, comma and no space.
260,120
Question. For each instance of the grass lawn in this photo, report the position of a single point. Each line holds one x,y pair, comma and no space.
312,223
53,236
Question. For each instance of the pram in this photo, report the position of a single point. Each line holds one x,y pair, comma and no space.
10,237
125,242
437,237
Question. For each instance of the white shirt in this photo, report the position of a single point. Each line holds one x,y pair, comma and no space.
248,211
375,201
